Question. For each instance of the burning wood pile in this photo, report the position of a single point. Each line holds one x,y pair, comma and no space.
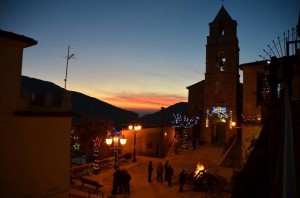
201,179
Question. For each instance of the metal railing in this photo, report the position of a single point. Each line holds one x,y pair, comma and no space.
81,191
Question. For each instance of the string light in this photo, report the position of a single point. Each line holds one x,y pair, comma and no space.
251,117
96,151
183,122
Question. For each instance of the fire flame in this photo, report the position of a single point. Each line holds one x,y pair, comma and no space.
200,167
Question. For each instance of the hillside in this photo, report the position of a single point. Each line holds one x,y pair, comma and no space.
83,105
155,118
89,107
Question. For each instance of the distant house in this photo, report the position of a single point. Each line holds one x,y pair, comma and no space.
35,130
155,141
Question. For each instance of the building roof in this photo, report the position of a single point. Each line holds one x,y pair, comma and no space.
222,15
195,84
254,64
16,37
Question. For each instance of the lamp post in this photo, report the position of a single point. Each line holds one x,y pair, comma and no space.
115,142
134,129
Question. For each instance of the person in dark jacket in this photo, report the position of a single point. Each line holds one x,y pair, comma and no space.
160,172
170,173
182,179
166,167
126,180
150,169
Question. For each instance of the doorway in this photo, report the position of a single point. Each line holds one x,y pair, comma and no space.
218,132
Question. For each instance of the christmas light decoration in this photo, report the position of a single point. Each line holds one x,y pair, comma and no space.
221,113
182,122
76,146
96,151
251,117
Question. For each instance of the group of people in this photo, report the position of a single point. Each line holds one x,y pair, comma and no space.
121,177
121,181
169,172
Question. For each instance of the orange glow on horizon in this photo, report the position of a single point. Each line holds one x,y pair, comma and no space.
143,103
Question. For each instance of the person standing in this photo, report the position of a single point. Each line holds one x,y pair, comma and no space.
150,169
127,179
160,171
182,179
170,174
166,167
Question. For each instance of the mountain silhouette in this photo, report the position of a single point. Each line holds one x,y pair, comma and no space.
83,105
89,107
155,118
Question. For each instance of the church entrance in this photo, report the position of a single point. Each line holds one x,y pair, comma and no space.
218,132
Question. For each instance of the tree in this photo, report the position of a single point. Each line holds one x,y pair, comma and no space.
87,131
181,123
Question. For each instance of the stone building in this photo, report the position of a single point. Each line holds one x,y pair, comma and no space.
217,99
154,141
35,131
252,103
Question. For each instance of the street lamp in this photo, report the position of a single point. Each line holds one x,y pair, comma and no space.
134,129
115,142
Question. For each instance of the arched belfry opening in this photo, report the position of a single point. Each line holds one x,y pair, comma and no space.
220,61
221,29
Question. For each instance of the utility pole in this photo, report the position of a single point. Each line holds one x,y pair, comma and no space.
68,57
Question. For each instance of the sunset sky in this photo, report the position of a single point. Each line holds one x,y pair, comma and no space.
139,55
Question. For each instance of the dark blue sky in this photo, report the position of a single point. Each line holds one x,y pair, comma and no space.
136,54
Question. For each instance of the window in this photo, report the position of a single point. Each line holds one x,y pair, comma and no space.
221,61
221,29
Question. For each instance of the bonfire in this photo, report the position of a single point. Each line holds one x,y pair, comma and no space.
200,170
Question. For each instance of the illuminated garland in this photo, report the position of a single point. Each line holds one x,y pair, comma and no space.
251,117
183,122
96,151
74,138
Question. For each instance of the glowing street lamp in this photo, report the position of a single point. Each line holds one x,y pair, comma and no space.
232,124
114,142
134,129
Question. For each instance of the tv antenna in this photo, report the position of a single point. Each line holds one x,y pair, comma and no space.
68,57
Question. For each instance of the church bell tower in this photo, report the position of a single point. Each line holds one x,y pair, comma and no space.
221,80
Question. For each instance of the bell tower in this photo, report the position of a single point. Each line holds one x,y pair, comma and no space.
221,79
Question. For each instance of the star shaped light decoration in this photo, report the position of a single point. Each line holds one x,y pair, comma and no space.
76,146
96,142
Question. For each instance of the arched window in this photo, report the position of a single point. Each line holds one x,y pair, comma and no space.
221,29
221,61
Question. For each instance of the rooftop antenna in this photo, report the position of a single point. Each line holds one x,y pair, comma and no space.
68,57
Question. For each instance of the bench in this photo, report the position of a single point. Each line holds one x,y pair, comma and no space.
90,182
